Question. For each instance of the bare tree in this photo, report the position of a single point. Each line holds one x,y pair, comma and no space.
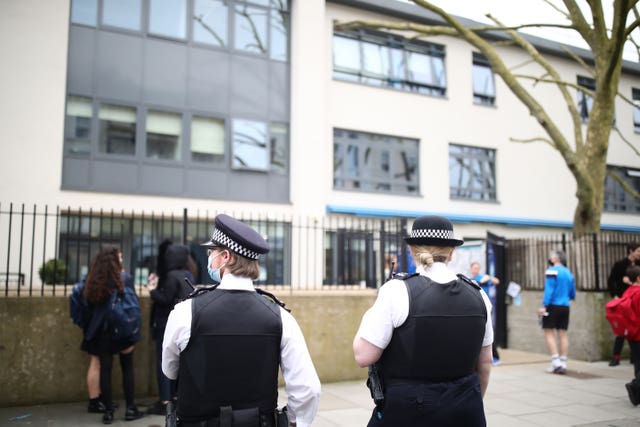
584,153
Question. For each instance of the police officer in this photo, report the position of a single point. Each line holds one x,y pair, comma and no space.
225,346
430,335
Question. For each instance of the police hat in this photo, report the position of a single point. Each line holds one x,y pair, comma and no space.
432,230
237,237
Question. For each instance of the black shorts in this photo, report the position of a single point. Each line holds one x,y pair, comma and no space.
558,317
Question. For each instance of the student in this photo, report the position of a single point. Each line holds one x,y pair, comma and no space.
633,292
488,285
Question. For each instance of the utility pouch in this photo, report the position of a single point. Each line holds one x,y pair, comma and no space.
282,417
243,417
171,419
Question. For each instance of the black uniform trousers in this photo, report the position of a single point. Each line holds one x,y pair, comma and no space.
444,404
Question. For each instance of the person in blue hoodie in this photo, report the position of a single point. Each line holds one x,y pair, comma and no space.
559,290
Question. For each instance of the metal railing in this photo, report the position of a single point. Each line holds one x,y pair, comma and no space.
45,250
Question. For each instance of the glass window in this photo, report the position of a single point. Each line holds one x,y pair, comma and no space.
279,30
78,125
251,28
168,18
484,91
122,13
210,22
117,130
280,4
385,60
375,163
585,101
250,145
279,148
472,173
616,197
84,12
164,135
375,63
346,58
207,140
635,95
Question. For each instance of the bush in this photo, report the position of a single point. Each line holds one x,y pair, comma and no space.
53,271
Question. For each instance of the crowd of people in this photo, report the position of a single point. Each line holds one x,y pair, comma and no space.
228,342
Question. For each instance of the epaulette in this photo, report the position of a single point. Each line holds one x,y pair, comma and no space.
469,281
273,298
404,276
201,290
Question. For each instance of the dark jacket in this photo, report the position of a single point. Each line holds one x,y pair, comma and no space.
171,288
614,282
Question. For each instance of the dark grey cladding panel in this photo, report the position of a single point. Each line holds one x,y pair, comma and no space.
119,67
113,176
160,179
81,59
165,73
76,173
208,80
279,91
248,186
249,87
278,189
206,183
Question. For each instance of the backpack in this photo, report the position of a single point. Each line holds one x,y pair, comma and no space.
623,317
123,319
78,307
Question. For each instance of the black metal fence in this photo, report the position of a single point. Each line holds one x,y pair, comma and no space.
589,257
47,249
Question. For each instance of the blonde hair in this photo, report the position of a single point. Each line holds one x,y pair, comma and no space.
245,267
427,255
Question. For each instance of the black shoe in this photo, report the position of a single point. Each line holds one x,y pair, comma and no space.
107,418
96,406
158,408
633,397
133,414
614,362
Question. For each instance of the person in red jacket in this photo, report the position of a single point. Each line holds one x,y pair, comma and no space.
633,292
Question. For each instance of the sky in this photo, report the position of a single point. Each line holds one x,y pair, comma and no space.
517,12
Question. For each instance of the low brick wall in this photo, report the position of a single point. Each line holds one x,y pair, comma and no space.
590,336
42,361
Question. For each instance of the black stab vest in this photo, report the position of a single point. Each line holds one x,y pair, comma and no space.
233,355
442,336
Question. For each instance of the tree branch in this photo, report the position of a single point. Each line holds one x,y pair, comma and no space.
624,184
537,139
626,141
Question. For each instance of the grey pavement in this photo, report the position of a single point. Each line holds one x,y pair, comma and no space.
521,393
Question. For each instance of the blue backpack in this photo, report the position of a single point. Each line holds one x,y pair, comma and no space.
78,307
123,319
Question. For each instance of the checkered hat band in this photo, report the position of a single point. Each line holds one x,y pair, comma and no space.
434,234
226,241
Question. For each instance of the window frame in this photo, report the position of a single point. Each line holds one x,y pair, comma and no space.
615,198
485,99
436,53
474,155
359,146
584,100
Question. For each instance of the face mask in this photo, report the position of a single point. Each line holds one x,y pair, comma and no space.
214,273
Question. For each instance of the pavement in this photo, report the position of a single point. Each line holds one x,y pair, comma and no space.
521,393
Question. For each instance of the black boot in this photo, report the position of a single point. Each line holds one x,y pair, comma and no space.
632,391
133,413
107,418
96,406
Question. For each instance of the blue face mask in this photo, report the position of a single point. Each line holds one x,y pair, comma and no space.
214,273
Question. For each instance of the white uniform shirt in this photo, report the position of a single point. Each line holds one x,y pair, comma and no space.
391,308
302,384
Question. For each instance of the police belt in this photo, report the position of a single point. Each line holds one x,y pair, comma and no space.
265,421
